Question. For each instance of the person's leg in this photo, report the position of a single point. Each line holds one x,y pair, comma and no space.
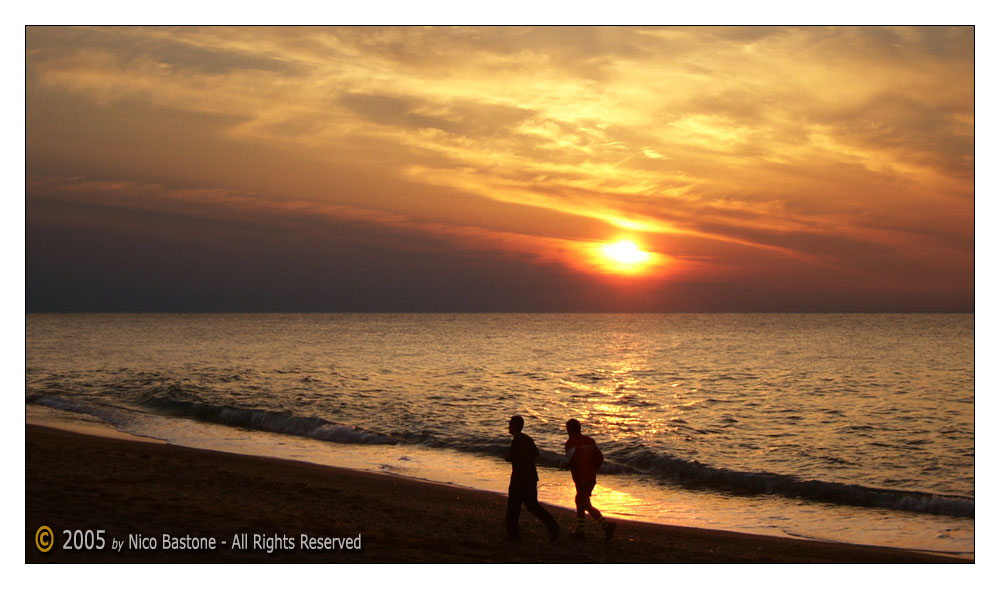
582,503
514,499
531,503
608,527
594,512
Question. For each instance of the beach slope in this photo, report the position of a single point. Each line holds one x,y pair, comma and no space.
140,490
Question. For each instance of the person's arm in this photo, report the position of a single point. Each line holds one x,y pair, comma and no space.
516,451
570,453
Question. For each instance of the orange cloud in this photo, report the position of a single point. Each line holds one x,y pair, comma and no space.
807,145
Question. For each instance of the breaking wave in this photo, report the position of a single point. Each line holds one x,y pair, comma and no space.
655,464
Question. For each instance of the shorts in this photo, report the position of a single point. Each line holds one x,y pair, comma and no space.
583,490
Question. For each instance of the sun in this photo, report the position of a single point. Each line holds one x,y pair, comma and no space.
625,257
625,252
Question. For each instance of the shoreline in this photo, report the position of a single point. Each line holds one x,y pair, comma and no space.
81,481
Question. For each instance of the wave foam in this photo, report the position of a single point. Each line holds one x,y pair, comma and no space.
270,421
690,473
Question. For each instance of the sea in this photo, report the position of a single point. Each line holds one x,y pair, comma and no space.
838,427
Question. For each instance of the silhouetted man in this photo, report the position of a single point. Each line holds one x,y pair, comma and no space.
583,459
524,482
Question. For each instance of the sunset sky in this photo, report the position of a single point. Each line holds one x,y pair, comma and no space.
499,169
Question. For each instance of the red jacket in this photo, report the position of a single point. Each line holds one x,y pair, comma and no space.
584,458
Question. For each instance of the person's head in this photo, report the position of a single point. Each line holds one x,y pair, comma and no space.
573,427
516,425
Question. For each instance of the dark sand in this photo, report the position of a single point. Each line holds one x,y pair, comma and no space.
78,481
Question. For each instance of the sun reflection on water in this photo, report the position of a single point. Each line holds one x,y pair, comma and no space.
611,399
610,501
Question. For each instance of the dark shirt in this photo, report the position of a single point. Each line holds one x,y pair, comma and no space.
522,459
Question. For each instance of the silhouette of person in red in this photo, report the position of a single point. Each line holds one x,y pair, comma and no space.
583,458
524,482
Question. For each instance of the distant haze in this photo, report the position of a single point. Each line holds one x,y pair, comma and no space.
484,169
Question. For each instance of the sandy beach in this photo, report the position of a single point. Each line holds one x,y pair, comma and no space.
137,490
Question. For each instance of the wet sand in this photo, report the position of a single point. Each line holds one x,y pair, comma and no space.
77,481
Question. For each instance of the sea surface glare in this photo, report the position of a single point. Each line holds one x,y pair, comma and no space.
856,428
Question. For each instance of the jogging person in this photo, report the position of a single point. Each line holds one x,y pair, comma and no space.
583,458
524,482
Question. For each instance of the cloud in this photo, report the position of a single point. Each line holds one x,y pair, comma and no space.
828,147
460,119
